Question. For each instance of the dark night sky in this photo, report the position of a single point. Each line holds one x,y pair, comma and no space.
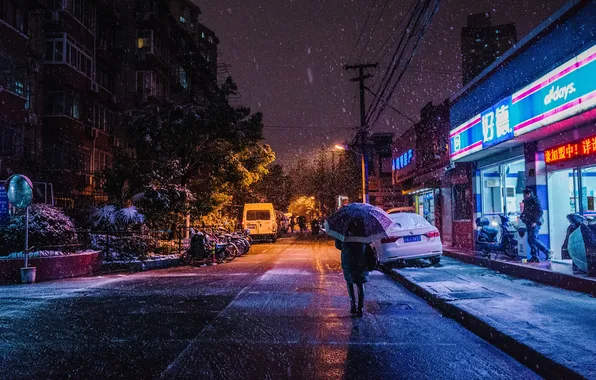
287,58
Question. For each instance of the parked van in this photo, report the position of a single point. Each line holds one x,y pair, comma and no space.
260,219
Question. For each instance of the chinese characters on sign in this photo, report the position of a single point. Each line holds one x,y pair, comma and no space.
3,207
585,147
404,160
496,126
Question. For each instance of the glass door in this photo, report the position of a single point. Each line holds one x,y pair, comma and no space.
502,189
588,191
563,199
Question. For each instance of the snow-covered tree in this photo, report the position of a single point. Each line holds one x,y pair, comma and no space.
186,158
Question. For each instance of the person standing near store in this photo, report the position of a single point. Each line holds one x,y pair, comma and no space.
532,218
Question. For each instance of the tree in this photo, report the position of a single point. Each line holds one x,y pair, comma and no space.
185,158
330,174
275,187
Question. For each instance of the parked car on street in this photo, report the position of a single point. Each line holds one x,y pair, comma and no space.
260,219
412,237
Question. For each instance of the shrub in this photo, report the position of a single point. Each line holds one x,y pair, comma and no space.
48,226
122,247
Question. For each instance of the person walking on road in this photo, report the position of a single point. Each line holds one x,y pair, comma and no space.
292,223
314,227
353,266
532,218
302,223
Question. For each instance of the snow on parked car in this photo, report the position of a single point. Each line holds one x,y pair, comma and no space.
412,237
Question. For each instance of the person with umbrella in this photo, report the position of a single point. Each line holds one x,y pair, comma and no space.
352,265
354,227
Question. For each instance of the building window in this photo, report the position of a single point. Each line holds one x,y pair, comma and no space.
105,79
82,10
103,119
13,13
64,103
146,82
11,139
12,76
65,49
144,40
101,160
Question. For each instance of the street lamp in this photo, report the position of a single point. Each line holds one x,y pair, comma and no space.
364,165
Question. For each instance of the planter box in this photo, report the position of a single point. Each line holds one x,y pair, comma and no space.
51,268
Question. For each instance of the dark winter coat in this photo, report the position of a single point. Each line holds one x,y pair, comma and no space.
532,211
352,262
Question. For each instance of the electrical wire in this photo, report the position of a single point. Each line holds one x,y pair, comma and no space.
362,31
372,33
426,23
398,54
417,25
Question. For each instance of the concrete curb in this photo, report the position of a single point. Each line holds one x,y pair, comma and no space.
539,363
139,266
543,276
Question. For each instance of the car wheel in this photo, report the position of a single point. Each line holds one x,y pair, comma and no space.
435,260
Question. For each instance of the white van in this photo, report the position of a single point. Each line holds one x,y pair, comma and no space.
260,220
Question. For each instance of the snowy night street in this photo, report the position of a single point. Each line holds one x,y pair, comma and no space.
281,311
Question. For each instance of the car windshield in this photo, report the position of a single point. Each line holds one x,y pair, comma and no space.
258,215
406,220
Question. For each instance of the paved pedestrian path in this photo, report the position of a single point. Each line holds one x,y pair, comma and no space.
556,324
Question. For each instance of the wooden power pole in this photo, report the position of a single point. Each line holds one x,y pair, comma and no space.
363,132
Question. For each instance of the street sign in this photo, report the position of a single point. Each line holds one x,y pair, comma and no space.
4,217
19,189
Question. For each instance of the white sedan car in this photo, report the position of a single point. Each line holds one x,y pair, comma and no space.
411,237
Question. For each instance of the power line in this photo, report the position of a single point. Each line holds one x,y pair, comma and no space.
372,33
430,12
400,50
363,29
390,106
374,58
417,25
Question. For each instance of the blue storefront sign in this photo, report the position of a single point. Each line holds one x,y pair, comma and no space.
4,216
403,160
568,90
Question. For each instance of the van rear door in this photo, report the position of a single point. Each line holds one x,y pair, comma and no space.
259,221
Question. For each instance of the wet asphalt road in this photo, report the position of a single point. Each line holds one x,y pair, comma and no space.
279,312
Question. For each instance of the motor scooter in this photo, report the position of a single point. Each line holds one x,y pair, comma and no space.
580,244
495,237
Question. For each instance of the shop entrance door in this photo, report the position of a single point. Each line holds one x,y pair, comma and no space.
563,196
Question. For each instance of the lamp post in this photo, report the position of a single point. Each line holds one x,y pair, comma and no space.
364,170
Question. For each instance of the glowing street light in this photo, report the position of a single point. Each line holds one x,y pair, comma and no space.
364,171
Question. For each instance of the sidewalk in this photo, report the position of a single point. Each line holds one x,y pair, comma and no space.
551,330
556,272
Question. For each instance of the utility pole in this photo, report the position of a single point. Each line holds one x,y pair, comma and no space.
363,132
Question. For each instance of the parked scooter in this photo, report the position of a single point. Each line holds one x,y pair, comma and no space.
583,255
495,237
